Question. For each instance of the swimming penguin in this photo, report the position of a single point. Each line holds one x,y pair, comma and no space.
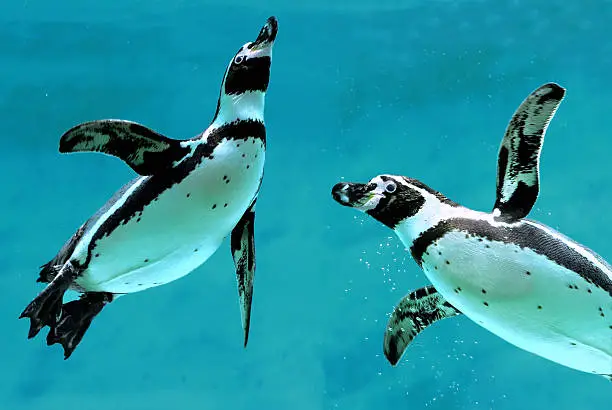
517,278
190,195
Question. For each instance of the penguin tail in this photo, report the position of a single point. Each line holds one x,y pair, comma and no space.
75,319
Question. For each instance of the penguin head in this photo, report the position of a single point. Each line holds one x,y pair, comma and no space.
249,70
389,199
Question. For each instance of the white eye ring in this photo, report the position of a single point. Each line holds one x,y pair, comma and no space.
239,59
390,187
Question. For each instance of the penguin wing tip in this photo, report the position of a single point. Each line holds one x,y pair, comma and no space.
246,338
392,359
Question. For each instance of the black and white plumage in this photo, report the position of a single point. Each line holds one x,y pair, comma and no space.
190,195
520,279
412,315
519,155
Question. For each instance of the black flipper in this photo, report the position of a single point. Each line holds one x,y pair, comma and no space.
144,150
411,316
519,155
45,309
243,252
75,320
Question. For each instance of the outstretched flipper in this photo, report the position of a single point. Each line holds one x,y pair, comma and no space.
75,319
45,309
144,150
411,316
519,155
243,252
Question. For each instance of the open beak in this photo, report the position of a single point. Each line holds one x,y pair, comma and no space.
266,36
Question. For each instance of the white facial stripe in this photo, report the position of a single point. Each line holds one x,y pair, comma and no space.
429,197
381,184
375,195
261,52
431,213
371,203
247,52
401,181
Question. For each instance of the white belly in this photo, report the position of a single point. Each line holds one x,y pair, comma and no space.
181,229
525,299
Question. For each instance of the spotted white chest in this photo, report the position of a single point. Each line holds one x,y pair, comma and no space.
524,298
179,229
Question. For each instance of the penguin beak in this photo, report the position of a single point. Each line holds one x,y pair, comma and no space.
351,194
267,35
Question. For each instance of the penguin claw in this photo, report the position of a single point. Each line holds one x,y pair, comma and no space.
43,311
68,340
75,319
68,334
35,326
46,308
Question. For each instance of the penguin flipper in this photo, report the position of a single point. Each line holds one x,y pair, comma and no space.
144,150
75,319
519,154
243,252
46,307
412,315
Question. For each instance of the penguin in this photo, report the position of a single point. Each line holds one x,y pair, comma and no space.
519,279
188,197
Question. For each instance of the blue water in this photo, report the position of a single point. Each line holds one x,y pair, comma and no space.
358,88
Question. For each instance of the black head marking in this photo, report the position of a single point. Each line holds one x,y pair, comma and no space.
250,67
388,199
385,198
247,74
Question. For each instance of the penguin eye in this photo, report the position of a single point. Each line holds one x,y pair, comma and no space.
239,59
390,187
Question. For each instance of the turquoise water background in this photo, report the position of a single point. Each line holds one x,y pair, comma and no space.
358,88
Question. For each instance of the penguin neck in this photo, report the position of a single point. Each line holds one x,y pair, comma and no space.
431,213
240,107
